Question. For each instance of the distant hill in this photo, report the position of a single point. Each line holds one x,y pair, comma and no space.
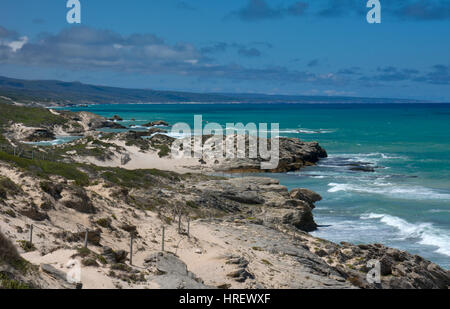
52,92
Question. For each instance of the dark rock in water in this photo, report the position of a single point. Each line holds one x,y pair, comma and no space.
113,125
159,123
40,135
367,169
116,118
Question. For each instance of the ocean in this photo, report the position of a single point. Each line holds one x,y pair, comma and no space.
404,204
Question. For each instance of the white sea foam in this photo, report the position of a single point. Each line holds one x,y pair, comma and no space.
426,233
390,190
295,131
373,157
439,211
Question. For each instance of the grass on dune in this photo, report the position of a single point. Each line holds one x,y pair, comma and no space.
29,116
46,168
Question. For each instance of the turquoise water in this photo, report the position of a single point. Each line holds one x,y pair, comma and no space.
405,203
58,141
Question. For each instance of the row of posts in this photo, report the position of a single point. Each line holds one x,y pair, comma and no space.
86,237
19,151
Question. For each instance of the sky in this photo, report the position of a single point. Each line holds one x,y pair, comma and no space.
307,47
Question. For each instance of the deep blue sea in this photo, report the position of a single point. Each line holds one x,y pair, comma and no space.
404,204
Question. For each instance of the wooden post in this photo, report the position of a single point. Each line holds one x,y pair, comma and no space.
86,238
14,151
131,248
188,225
31,234
179,223
32,154
163,235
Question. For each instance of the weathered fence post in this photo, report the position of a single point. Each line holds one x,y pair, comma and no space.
86,238
131,248
31,234
179,223
188,225
163,235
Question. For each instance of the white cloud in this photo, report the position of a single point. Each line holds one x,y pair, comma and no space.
15,45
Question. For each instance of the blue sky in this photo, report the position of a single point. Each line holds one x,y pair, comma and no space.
320,47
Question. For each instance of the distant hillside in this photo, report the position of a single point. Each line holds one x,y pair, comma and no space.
50,92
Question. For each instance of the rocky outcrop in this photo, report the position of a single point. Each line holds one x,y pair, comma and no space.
305,194
20,132
294,154
241,274
301,218
39,135
158,123
116,118
169,272
398,269
247,193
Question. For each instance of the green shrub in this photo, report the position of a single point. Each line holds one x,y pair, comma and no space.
90,262
104,222
10,256
26,245
46,168
121,267
7,283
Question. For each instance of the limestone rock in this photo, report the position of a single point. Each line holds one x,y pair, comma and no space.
305,195
172,273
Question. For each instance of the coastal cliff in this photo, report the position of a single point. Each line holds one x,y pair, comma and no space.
248,232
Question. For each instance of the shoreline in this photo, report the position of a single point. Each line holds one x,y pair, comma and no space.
141,160
234,223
